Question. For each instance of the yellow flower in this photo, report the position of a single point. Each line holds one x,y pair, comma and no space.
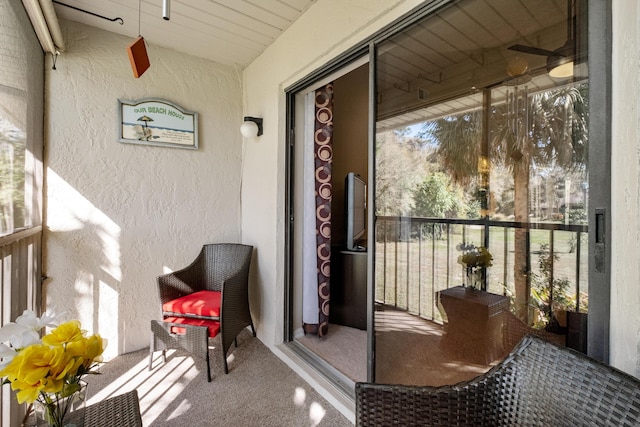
476,257
87,349
95,346
29,372
53,367
30,365
26,392
67,332
63,363
77,348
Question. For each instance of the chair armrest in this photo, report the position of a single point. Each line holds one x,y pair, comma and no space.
465,404
235,314
235,296
180,282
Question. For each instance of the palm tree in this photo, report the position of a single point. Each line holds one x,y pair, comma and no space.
551,131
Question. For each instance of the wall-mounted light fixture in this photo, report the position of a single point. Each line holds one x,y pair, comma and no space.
251,127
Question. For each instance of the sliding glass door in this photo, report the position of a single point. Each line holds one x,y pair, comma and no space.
481,177
328,274
470,127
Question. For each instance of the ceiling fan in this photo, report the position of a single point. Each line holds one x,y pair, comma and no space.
559,61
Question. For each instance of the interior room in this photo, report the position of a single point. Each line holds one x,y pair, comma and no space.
345,347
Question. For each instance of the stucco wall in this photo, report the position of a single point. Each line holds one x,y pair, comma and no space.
119,215
625,182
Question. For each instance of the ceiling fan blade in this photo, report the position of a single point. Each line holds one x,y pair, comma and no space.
530,49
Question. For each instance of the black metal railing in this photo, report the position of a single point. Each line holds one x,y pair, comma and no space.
417,257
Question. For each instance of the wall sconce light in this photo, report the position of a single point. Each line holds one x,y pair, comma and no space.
251,127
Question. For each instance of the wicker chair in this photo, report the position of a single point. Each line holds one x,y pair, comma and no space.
538,384
515,329
214,288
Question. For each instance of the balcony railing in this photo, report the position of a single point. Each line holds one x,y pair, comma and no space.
417,257
20,287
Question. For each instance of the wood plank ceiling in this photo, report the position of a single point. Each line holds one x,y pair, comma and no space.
230,32
440,65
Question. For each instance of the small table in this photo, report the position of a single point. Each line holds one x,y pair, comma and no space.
118,411
474,323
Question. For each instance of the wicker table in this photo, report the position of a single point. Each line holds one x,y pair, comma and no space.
118,411
474,323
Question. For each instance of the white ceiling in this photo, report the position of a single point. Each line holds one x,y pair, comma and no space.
439,65
426,70
231,32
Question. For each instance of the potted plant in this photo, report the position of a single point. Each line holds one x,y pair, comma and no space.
475,260
48,372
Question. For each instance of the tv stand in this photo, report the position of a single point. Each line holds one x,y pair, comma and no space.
348,304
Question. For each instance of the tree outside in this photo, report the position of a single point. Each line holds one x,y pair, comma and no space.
536,156
12,177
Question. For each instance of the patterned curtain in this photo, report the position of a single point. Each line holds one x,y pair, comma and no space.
323,155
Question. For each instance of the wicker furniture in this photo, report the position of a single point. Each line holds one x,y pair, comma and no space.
194,339
213,291
118,411
538,384
515,329
474,322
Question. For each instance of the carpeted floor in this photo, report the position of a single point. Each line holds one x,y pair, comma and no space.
260,389
408,351
344,348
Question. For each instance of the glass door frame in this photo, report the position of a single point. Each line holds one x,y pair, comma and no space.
599,39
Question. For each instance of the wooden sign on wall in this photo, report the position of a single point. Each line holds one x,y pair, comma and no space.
157,122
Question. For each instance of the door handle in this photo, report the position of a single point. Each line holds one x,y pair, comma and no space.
600,239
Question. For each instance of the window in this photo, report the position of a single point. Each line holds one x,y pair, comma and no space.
21,118
21,146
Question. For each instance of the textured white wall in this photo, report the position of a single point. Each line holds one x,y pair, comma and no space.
625,182
118,214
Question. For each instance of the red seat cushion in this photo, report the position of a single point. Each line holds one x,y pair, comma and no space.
214,327
201,303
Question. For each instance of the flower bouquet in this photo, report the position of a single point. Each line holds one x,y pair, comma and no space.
475,259
48,371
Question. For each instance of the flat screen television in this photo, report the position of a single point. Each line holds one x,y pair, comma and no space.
355,191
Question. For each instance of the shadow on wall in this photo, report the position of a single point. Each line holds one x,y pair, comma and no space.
83,262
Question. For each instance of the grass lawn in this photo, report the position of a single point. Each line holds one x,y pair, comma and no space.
408,273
